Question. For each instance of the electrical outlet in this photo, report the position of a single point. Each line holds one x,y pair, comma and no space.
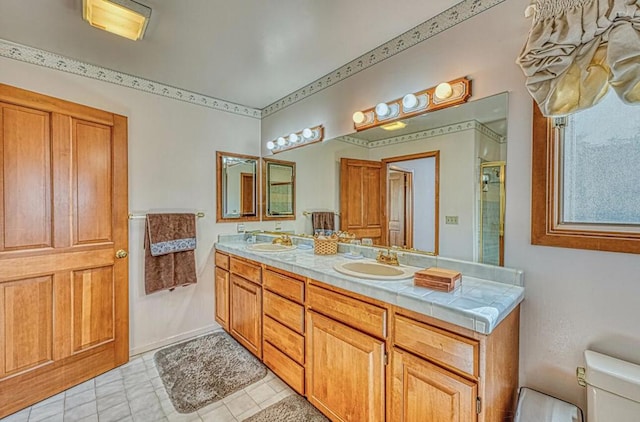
278,226
240,228
451,219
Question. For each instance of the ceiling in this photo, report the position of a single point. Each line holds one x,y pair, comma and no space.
251,52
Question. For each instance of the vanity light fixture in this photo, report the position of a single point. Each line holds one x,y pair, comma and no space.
443,95
126,18
297,139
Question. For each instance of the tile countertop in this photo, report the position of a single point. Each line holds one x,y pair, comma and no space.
487,294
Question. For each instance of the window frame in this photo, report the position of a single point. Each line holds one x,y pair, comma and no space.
546,226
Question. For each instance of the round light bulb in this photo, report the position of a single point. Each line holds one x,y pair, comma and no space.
409,101
307,133
444,91
282,142
359,117
271,145
382,110
293,138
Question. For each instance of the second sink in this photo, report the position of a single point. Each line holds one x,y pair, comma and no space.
375,271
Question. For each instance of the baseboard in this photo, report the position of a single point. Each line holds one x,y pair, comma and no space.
174,339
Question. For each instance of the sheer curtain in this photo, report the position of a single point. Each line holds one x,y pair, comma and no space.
577,49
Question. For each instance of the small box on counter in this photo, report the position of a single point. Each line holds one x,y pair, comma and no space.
438,279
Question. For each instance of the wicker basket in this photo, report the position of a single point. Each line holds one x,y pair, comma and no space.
325,245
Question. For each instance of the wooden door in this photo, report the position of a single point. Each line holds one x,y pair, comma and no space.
421,391
222,297
400,205
345,371
360,198
245,322
247,194
63,294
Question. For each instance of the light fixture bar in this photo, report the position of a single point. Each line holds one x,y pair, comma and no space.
446,94
304,137
125,18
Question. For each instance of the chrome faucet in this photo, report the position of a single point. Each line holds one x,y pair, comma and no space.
390,258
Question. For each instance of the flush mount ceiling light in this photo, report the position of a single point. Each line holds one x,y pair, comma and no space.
446,94
304,137
126,18
394,126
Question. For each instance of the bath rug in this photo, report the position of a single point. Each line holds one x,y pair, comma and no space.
292,408
206,369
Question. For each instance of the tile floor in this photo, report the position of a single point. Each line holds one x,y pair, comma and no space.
134,392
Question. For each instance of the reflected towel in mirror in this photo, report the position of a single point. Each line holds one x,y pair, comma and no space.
323,220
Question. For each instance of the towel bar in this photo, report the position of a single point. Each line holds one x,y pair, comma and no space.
134,216
308,213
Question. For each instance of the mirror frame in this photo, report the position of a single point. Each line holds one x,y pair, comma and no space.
265,190
384,195
219,199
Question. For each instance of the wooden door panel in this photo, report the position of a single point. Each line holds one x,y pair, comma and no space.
64,313
26,331
360,198
92,178
25,190
245,319
93,291
422,391
222,297
345,369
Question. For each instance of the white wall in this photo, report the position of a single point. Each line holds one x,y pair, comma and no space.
172,162
575,299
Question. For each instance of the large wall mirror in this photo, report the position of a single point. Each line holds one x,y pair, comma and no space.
471,141
278,190
237,187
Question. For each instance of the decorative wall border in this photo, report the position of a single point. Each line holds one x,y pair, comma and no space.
443,130
439,23
43,58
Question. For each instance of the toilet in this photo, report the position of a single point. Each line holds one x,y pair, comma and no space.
613,395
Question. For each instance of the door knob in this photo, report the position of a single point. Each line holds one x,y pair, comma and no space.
121,254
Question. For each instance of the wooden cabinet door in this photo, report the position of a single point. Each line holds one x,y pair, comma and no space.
360,198
63,294
421,391
222,297
345,371
245,322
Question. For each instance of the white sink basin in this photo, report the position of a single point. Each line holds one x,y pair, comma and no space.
375,271
270,247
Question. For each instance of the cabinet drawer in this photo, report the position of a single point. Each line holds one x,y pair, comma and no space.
284,311
288,341
222,260
285,286
249,270
448,349
361,315
284,367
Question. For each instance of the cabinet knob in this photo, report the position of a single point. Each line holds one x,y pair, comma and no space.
121,254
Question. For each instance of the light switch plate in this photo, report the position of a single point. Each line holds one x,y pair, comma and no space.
451,219
240,228
278,226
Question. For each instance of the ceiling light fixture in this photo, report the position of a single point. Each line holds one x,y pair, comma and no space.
446,94
126,18
297,139
394,126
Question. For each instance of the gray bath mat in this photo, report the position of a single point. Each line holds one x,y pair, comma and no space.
292,408
206,369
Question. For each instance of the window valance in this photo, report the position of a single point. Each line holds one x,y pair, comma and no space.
577,49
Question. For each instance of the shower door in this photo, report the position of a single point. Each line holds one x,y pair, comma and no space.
492,202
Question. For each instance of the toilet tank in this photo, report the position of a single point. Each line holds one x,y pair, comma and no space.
613,389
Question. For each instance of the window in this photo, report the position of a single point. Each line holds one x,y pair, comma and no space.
586,178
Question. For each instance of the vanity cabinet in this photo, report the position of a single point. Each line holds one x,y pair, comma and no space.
345,356
222,289
245,304
284,326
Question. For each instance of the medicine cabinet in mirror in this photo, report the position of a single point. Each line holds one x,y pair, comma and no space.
278,190
237,187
